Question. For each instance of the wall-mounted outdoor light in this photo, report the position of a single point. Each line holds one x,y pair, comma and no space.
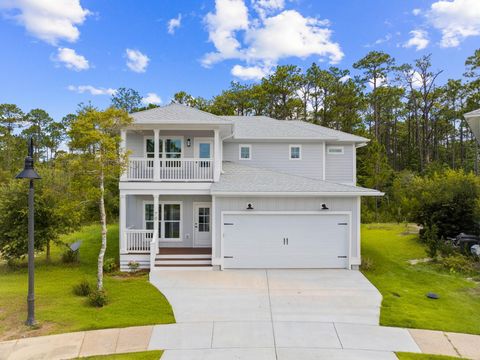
249,207
189,142
324,207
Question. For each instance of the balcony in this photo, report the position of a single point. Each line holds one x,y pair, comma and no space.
178,169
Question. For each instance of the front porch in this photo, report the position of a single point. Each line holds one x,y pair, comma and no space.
166,230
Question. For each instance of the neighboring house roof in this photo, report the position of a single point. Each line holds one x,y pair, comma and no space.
177,114
264,127
242,179
473,120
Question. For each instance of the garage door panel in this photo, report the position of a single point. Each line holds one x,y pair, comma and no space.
311,240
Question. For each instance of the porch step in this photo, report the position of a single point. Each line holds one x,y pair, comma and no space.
183,262
183,256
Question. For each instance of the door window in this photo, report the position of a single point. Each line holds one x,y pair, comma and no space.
203,219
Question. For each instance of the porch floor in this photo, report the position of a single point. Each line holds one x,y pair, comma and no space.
185,251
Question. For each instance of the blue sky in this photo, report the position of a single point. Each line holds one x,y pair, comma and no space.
58,53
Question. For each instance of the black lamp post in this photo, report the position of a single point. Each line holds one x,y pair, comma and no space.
29,172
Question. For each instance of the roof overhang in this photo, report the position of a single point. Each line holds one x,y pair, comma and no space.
473,120
297,193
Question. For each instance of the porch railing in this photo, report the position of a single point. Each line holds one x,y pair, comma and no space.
181,169
138,241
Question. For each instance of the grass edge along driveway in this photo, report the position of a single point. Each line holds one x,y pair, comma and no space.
133,300
403,286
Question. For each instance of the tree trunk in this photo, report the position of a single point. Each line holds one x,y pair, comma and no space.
103,220
47,255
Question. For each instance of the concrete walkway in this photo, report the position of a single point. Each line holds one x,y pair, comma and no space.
257,314
247,340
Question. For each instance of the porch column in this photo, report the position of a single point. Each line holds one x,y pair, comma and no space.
155,221
123,224
123,149
156,161
217,156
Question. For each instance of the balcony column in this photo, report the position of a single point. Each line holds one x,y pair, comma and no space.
123,224
123,149
156,219
156,161
217,167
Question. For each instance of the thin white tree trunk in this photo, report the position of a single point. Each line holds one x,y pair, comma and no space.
103,219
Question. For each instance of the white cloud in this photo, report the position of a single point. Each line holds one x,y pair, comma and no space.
81,89
456,19
249,72
136,61
151,98
416,12
290,34
174,23
229,17
72,60
416,79
48,20
262,41
266,7
418,39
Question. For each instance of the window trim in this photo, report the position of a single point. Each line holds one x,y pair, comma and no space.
342,148
240,146
162,220
162,138
299,151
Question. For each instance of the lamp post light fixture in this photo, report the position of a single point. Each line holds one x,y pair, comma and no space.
29,172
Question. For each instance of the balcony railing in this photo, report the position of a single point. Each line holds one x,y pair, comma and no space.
138,241
182,169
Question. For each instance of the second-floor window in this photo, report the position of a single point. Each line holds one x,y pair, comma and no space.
295,152
245,152
169,148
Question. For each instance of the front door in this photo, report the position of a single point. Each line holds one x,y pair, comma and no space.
202,224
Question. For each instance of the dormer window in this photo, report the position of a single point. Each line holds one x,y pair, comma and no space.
335,150
245,152
295,152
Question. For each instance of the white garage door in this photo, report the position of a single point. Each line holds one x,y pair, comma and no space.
293,240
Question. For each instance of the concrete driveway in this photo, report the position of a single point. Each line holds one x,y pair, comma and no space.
270,295
274,315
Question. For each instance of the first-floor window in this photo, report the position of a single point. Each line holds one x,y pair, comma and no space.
169,219
245,152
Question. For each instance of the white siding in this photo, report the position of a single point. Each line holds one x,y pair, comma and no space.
340,167
289,204
276,156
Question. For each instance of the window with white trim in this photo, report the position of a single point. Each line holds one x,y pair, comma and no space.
169,148
169,219
335,150
295,152
245,152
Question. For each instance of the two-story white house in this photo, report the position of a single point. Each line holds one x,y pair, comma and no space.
209,192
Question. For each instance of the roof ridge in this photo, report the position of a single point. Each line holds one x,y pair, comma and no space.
183,106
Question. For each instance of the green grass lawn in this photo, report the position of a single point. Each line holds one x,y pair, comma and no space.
404,286
133,300
412,356
144,355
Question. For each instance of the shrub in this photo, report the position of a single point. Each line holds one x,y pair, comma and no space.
98,298
69,256
367,264
458,264
110,265
133,266
429,235
83,288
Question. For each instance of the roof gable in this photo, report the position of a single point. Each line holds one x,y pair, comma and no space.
176,114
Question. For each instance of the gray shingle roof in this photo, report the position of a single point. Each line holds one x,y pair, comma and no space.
472,113
261,127
239,178
176,114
